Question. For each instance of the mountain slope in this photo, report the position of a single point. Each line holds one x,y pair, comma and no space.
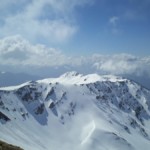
76,112
6,146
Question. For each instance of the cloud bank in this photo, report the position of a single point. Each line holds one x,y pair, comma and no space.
16,51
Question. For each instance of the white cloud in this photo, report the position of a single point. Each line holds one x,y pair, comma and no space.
50,20
18,52
113,20
122,64
114,25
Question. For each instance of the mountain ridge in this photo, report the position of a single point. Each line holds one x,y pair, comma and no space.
90,107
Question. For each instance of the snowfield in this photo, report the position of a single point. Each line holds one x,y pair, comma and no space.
76,112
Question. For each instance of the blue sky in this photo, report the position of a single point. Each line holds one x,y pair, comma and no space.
80,27
116,26
104,36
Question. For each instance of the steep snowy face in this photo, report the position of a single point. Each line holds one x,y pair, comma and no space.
76,112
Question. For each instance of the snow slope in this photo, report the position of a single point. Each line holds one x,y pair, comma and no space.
76,112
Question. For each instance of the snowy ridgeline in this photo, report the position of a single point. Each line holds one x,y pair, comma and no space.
76,112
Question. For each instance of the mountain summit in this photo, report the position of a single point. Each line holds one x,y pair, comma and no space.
74,112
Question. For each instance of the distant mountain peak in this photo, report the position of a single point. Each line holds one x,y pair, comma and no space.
77,78
71,74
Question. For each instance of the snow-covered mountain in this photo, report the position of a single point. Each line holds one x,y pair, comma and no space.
76,112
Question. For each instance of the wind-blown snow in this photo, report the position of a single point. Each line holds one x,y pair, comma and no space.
76,112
